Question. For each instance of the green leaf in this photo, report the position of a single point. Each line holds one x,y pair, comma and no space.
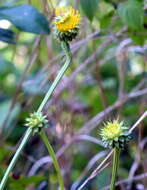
29,180
132,14
26,18
22,183
89,7
138,39
37,4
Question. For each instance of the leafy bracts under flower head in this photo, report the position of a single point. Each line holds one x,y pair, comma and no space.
66,23
115,134
36,121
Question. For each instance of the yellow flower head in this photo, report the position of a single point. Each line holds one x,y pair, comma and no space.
66,23
112,129
66,18
115,134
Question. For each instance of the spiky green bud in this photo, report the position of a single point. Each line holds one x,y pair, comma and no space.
36,121
115,134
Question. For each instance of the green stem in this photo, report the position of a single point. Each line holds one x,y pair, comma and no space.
29,132
116,155
58,78
15,158
53,156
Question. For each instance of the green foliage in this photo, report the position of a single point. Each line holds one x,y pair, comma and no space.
37,4
3,153
89,7
132,14
6,66
23,182
26,18
105,16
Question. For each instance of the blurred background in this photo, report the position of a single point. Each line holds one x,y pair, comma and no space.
107,80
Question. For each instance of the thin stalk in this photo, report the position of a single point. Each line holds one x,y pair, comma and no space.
53,156
58,78
15,158
29,132
116,155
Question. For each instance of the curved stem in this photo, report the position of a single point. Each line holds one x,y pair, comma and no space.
58,78
29,132
53,156
15,158
115,167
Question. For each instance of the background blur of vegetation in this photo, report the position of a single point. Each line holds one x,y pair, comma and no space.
108,79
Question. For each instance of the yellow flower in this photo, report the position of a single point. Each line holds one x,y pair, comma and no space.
66,23
115,134
66,18
112,129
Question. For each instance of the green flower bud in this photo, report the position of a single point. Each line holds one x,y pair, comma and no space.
36,121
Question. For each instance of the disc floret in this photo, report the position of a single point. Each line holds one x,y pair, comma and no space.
115,134
66,23
36,121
